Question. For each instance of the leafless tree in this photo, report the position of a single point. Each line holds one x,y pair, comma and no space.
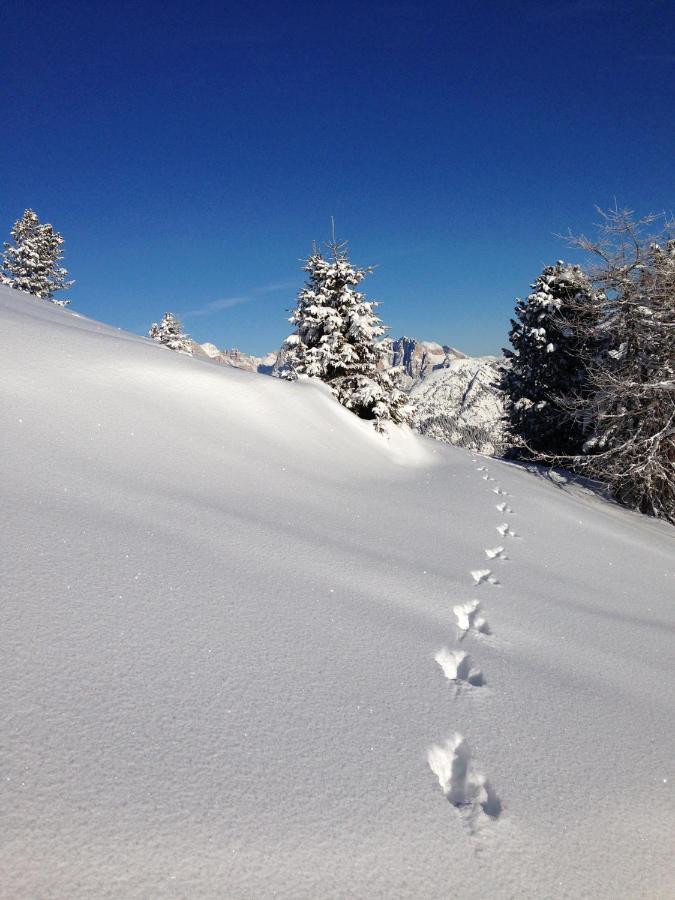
631,406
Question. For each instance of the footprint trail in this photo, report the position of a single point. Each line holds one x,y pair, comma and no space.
463,784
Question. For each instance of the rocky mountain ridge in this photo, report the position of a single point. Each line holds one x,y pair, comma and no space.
414,358
235,358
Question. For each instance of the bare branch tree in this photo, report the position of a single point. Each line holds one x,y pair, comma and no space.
631,402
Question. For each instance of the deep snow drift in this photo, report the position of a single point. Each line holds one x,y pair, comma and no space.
249,648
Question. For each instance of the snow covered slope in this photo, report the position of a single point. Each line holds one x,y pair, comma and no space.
231,652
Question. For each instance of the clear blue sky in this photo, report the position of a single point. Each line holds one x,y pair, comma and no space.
190,152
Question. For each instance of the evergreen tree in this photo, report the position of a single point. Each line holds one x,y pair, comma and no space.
551,338
31,263
170,333
336,339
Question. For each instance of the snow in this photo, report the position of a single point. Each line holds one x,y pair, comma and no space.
230,655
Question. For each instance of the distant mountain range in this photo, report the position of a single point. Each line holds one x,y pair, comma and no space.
415,359
235,358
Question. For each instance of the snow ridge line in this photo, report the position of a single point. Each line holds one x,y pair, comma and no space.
466,788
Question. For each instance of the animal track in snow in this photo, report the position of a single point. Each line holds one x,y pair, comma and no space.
506,531
499,491
482,576
469,618
481,469
456,665
467,789
495,553
503,508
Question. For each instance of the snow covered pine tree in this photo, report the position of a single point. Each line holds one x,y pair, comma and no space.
170,333
551,340
336,339
31,263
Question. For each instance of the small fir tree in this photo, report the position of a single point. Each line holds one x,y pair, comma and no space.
336,339
551,338
31,262
170,333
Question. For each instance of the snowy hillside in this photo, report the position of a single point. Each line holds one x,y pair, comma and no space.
249,648
461,404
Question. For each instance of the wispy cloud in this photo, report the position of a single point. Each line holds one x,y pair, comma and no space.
215,306
229,302
276,286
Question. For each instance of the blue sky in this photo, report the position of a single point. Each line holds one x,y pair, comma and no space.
190,153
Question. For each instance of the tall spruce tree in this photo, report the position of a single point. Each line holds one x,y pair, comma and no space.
31,262
552,338
169,332
336,339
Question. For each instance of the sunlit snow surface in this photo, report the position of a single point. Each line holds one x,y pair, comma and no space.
229,661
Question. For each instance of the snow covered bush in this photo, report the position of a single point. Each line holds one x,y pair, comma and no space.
170,333
336,339
31,262
551,337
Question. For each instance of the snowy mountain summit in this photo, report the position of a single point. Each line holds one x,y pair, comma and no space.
418,359
251,648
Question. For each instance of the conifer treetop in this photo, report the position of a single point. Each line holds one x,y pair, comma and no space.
551,333
31,262
336,337
169,332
